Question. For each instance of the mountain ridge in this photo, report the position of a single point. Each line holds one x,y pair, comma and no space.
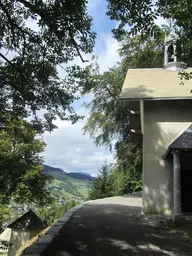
75,175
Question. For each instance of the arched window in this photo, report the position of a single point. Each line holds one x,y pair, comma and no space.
170,52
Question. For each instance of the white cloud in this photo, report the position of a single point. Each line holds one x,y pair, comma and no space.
69,149
92,4
32,24
109,56
160,21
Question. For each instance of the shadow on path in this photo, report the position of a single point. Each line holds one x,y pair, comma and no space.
117,230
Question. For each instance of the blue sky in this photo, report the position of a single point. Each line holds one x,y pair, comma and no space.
101,23
67,147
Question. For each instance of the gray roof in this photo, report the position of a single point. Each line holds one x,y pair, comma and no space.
182,143
28,221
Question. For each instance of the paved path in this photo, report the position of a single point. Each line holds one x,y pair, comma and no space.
115,227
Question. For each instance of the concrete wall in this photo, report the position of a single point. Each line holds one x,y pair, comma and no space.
163,122
18,238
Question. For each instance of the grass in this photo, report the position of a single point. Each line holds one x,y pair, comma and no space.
72,189
32,241
83,191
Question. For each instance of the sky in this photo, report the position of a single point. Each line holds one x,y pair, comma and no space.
67,146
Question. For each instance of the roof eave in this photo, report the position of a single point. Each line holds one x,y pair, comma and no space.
167,153
156,98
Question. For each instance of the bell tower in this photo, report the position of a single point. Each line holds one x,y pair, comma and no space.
170,53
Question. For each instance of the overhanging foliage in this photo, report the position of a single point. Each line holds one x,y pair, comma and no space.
36,37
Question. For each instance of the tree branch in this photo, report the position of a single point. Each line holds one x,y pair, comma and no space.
13,86
21,74
9,18
3,57
76,46
14,25
110,93
58,34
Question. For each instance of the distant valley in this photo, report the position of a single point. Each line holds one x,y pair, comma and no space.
68,186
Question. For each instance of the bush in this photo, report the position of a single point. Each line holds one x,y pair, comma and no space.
54,213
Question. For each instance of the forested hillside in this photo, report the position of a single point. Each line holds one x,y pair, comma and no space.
42,79
67,186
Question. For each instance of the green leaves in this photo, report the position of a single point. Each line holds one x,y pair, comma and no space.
139,17
52,214
109,122
21,167
31,188
116,180
139,53
103,185
109,119
29,78
37,40
4,210
126,181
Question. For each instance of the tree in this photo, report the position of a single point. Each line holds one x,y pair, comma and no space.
141,15
102,186
109,117
109,121
52,214
29,78
21,170
126,180
138,53
4,210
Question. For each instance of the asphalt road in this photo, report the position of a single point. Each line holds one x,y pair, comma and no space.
115,227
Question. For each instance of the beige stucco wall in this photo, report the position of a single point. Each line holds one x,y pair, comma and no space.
163,122
18,238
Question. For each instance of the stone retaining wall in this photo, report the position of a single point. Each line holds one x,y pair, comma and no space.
37,248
